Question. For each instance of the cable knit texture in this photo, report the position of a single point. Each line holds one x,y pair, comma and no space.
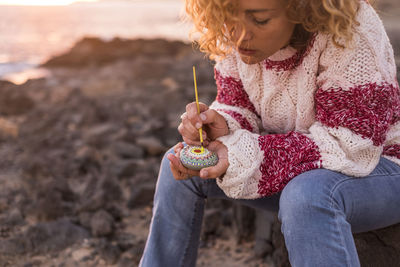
322,107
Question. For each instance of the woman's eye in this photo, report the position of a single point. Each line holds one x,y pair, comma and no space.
260,22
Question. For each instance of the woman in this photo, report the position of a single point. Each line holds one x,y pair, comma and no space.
306,121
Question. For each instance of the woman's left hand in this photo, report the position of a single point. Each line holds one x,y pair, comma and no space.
180,172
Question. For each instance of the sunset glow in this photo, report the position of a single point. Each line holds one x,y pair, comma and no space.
41,2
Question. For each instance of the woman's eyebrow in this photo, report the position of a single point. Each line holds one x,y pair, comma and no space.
258,10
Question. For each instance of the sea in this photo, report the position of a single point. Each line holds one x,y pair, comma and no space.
30,35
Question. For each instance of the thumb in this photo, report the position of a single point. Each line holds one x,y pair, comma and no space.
211,116
215,171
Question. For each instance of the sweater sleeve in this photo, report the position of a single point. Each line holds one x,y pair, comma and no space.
232,101
356,103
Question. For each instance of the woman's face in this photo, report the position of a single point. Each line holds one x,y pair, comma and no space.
267,29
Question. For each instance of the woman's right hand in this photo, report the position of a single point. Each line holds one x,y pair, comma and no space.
212,123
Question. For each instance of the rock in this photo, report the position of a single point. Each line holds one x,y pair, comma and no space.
96,52
110,253
212,222
141,195
14,102
44,238
124,168
85,219
82,254
152,145
97,135
102,223
380,247
263,234
15,217
100,193
243,222
8,129
127,150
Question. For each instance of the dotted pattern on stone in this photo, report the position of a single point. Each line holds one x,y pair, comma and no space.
196,158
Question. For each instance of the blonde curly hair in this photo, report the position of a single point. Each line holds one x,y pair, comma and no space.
210,17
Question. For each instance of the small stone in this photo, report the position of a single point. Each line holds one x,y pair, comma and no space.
81,254
212,221
197,158
141,195
152,145
127,150
102,223
110,253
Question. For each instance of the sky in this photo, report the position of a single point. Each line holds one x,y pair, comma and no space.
41,2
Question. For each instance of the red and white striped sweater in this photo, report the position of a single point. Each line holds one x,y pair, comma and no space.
323,107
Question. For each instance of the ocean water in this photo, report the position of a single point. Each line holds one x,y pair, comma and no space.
29,35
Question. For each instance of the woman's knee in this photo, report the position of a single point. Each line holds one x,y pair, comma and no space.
306,194
167,184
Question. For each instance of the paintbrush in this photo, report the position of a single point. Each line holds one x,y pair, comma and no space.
198,106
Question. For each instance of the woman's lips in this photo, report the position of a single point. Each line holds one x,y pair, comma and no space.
247,52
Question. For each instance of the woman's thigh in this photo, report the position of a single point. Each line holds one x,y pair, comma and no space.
368,203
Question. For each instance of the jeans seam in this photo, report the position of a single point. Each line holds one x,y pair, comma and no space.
190,236
336,216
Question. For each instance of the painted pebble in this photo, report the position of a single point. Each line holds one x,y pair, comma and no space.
196,158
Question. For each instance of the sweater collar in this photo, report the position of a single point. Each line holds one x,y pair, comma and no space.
288,57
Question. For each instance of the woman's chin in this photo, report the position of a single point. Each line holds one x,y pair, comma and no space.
250,59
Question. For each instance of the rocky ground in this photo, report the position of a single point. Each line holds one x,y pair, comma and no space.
80,152
81,149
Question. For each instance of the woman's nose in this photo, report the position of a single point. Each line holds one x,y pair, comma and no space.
241,34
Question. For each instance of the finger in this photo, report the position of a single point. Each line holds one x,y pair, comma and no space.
190,134
177,146
183,115
191,142
192,107
211,116
193,114
176,162
177,174
215,171
190,127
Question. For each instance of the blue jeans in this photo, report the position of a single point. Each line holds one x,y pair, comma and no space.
319,211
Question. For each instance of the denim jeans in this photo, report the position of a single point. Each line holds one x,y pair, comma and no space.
319,211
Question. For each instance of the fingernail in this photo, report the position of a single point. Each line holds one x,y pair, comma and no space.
198,125
203,117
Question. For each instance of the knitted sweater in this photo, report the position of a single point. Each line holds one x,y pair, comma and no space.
322,107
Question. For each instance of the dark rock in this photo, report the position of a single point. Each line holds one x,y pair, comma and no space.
93,51
14,217
263,235
123,168
141,194
102,223
44,238
212,221
52,199
87,159
243,222
85,218
380,247
152,145
125,240
280,255
14,102
126,262
100,193
127,150
110,253
98,135
262,248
